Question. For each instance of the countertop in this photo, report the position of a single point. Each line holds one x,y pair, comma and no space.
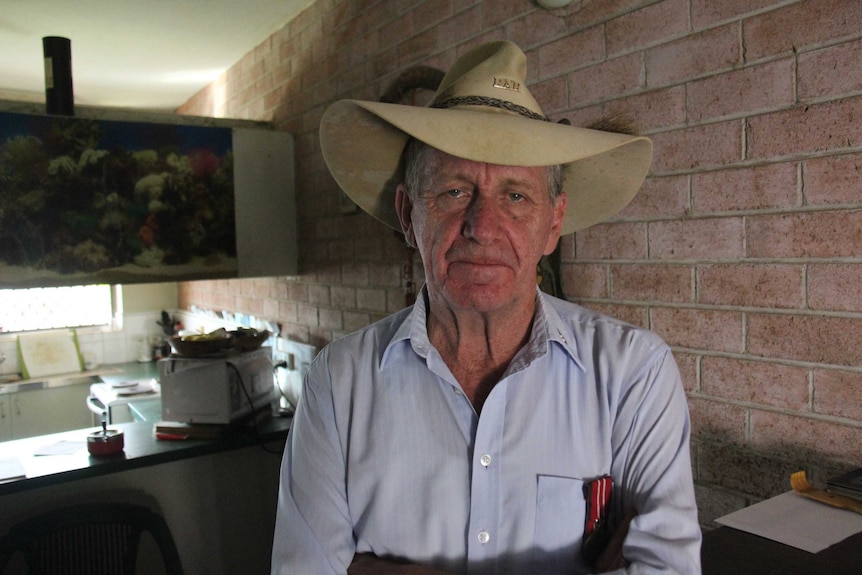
106,373
141,449
728,550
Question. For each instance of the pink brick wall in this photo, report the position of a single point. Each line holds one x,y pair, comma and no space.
743,249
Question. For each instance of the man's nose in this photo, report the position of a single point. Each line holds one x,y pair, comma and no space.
482,219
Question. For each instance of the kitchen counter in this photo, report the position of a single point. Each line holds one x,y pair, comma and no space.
107,373
728,550
142,449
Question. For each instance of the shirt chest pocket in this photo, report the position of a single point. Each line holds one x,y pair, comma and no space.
559,529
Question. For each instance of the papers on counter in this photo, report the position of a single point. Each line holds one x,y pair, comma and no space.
796,521
11,468
64,447
125,388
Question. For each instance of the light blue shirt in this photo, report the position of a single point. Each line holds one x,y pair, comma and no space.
386,455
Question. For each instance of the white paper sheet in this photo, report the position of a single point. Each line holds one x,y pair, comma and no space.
797,521
63,447
11,468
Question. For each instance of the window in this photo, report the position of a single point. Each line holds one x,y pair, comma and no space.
51,308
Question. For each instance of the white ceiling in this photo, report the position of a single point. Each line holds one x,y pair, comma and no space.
142,54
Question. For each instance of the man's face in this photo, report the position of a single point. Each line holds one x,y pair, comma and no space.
481,229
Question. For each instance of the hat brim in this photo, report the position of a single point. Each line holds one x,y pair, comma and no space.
362,144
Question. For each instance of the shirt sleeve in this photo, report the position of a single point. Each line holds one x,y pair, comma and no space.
313,531
653,465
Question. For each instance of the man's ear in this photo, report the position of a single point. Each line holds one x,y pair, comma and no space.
559,214
404,207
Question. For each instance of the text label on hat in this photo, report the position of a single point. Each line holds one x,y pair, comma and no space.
507,84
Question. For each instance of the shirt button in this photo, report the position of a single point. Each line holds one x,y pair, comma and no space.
457,390
485,460
484,536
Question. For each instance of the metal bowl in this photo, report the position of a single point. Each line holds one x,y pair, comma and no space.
249,339
200,347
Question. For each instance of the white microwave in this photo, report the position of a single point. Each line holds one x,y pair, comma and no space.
216,390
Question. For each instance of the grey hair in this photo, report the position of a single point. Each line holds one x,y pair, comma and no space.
415,159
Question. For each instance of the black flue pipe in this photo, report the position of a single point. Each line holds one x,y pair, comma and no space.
59,97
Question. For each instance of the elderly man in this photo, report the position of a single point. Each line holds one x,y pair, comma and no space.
489,428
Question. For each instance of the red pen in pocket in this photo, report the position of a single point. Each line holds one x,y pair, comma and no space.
598,494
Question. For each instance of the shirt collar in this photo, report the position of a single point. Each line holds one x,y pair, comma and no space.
548,328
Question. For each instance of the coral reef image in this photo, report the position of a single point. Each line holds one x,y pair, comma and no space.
90,200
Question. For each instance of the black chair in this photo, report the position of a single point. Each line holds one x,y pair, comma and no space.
91,539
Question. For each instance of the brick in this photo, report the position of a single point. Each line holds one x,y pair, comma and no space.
415,49
805,235
700,329
750,188
306,314
705,13
535,28
384,274
591,12
612,241
715,420
647,26
835,287
710,239
552,95
832,71
396,299
606,80
496,12
693,56
296,332
330,318
796,27
838,393
570,52
751,285
453,31
354,274
297,292
754,382
430,13
371,299
802,437
270,309
354,321
584,280
653,109
660,197
832,180
652,282
817,339
698,147
832,126
318,294
751,90
687,364
342,297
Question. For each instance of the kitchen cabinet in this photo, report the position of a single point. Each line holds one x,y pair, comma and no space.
34,412
5,418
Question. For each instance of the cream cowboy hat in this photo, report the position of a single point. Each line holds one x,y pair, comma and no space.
484,112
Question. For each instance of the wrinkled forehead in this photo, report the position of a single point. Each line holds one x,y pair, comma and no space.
434,167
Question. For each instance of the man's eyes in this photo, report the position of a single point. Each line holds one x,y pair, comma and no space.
516,197
460,193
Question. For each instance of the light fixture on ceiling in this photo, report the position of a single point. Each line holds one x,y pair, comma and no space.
551,4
